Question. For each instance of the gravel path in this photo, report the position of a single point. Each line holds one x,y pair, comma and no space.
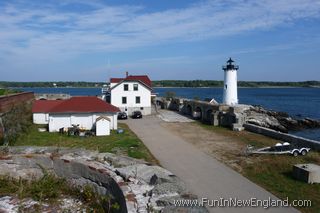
204,175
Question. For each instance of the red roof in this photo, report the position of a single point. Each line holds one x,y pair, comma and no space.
80,105
44,105
143,78
116,80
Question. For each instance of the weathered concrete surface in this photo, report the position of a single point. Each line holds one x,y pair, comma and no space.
204,176
309,173
170,116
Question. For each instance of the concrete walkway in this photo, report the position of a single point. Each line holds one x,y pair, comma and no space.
205,176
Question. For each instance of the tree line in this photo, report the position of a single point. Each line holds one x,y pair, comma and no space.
212,83
6,84
165,83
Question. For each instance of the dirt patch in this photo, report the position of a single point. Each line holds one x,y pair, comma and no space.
224,148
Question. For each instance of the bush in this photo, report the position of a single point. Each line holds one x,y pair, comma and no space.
16,121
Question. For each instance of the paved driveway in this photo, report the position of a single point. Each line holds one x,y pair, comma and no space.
205,176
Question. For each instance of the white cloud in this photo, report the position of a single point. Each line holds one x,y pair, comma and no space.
38,32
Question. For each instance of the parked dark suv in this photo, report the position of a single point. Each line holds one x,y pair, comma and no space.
122,116
136,114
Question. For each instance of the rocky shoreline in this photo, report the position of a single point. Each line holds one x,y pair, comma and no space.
279,121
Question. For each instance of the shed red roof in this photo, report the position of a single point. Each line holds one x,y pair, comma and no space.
143,78
44,105
78,105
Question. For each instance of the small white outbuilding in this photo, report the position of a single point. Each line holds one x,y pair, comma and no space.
102,126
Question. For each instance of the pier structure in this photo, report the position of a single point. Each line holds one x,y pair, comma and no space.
47,96
210,113
230,90
233,117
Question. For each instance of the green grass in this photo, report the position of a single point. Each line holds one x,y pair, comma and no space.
126,143
274,173
7,91
50,188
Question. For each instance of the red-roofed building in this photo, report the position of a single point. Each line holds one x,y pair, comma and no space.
141,78
41,108
81,111
131,93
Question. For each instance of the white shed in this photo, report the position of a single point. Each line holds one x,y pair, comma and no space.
102,126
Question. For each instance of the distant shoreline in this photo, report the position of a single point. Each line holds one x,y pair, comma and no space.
262,87
167,84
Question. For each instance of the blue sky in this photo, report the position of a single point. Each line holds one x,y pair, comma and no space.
82,40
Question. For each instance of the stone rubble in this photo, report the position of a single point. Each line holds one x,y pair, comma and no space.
9,204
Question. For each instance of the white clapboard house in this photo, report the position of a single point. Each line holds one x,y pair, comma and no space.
85,112
131,93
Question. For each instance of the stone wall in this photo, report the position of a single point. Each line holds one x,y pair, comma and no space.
8,101
315,145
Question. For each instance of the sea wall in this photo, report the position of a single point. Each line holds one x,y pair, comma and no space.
315,145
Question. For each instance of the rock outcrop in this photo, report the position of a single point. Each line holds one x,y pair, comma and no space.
279,121
144,187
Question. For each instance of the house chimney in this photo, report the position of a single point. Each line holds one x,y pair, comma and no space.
127,74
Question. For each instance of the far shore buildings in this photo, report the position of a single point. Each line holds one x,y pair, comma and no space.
86,112
131,93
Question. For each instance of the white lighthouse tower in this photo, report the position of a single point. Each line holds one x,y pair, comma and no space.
230,90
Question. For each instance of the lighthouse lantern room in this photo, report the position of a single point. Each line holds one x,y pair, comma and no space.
230,90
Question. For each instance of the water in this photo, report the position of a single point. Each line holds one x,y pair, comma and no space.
64,90
297,102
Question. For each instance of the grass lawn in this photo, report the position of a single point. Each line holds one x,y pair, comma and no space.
126,143
274,173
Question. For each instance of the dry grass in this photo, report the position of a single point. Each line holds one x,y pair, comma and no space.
274,172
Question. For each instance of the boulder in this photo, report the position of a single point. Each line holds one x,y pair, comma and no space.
144,172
